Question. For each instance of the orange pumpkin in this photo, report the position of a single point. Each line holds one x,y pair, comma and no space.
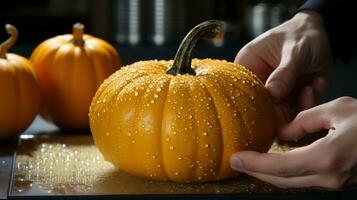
181,120
70,68
19,91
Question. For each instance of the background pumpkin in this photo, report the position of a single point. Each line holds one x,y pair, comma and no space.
70,68
181,121
19,91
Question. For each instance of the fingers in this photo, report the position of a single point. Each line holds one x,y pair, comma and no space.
283,78
315,180
300,161
308,121
248,58
288,182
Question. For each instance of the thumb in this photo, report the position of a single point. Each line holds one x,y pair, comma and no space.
282,79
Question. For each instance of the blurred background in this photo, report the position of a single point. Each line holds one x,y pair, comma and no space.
153,29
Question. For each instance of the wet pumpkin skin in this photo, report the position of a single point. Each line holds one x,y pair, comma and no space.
181,127
70,68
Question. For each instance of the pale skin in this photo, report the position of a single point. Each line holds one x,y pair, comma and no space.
294,60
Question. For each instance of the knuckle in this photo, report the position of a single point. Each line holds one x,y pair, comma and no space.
341,104
344,100
301,114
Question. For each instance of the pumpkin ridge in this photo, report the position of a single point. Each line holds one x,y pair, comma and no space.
162,130
137,113
240,114
218,169
106,95
196,130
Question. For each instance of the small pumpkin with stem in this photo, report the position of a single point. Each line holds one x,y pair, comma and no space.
181,120
20,95
70,68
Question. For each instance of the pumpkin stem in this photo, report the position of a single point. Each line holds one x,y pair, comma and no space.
78,32
182,61
12,31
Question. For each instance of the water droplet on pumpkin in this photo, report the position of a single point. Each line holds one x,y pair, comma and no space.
253,122
180,158
172,148
158,165
136,93
204,133
206,145
133,141
152,101
252,97
156,96
153,156
177,173
107,133
190,116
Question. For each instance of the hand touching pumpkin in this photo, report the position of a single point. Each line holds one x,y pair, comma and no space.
329,162
293,60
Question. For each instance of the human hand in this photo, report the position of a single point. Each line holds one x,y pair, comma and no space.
293,60
330,162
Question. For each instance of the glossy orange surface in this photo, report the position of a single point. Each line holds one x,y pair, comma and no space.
20,96
182,128
70,69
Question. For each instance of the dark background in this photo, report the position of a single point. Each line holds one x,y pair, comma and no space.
152,29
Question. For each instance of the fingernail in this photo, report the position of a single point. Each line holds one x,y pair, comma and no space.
276,88
236,163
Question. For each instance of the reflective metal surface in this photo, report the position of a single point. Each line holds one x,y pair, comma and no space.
72,165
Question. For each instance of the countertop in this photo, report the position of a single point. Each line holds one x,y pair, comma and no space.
257,190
